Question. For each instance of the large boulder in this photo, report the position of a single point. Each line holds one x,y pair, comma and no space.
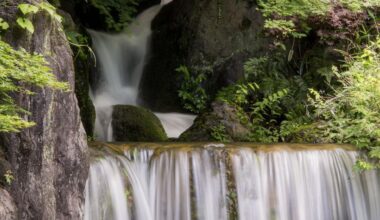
50,160
221,124
213,34
132,123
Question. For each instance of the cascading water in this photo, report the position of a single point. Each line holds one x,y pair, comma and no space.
210,182
122,58
216,182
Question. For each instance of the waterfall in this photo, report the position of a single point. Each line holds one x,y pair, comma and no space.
215,182
122,58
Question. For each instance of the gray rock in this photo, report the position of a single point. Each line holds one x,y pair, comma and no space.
131,123
7,206
50,160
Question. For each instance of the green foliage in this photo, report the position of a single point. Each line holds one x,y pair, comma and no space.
285,27
26,24
290,18
9,177
51,10
237,94
3,25
352,113
81,44
218,133
274,95
118,13
19,69
262,112
191,92
29,9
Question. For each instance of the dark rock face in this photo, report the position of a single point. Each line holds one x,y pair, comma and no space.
50,160
192,33
7,206
84,65
227,73
223,115
131,123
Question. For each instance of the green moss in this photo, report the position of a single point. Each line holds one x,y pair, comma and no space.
131,123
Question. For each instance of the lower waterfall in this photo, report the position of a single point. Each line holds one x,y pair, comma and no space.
217,182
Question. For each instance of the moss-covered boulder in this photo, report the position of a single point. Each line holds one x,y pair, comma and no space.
222,123
131,123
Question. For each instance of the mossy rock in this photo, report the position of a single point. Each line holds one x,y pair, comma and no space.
222,123
131,123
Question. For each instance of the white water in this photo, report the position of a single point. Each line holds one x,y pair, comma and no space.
192,183
122,58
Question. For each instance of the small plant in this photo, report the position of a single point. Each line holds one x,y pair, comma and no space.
80,42
9,177
219,133
191,92
29,9
117,13
3,25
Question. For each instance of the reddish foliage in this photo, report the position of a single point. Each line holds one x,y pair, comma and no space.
339,24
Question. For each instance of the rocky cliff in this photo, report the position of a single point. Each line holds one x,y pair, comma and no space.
49,161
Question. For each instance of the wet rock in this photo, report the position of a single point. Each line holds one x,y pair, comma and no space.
5,167
227,72
131,123
223,120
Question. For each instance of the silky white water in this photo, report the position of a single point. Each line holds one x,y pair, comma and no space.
122,58
216,183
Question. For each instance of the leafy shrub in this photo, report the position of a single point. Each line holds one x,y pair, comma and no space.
218,133
18,69
352,113
261,111
328,18
118,13
191,92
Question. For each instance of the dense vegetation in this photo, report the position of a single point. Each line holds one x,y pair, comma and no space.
300,94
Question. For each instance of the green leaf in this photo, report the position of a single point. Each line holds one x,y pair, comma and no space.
28,9
26,24
51,10
3,24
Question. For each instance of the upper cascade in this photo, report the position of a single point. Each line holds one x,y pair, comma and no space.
122,58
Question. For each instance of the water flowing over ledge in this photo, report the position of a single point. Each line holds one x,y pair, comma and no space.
238,181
